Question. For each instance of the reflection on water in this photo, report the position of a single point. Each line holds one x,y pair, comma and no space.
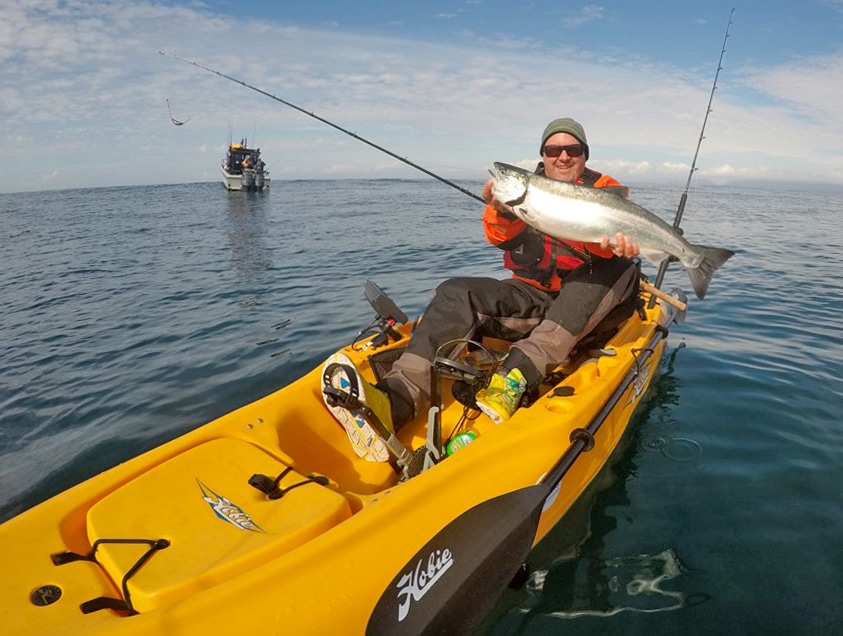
572,574
595,587
679,449
246,230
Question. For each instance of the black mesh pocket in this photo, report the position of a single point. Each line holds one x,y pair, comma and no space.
382,361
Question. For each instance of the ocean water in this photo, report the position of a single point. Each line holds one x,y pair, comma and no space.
131,315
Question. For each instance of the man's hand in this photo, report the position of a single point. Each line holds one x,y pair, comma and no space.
623,246
491,200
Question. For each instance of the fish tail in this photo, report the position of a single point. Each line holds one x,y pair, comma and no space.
713,258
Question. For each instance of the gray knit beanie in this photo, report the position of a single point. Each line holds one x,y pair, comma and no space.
565,125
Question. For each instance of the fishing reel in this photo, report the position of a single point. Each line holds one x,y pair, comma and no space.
469,364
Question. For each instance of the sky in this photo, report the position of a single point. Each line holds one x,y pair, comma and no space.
452,86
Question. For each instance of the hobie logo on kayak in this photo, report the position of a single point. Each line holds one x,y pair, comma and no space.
639,383
227,511
419,581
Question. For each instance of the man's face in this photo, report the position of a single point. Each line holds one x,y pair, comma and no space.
563,167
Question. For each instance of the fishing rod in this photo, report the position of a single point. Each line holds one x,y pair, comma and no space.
331,124
684,198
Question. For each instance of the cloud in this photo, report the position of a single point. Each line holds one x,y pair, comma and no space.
812,85
586,14
83,92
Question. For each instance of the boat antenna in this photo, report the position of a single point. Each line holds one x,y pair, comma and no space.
677,221
329,123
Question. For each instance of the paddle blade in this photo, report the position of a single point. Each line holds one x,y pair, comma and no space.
451,583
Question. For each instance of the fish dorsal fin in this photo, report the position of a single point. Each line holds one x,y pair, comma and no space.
621,191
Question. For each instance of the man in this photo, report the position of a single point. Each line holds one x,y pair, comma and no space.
560,291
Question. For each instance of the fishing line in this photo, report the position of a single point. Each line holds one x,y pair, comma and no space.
682,201
684,198
329,123
172,119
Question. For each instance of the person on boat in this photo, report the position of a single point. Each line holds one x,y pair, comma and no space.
558,293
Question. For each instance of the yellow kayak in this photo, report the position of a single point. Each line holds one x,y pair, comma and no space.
266,521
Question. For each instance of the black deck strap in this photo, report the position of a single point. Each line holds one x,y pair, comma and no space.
63,558
267,485
105,602
272,489
69,557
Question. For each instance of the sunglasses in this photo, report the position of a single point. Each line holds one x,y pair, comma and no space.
573,150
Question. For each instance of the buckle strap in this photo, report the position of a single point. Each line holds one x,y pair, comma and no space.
105,602
272,489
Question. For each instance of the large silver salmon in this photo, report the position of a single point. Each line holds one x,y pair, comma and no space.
579,213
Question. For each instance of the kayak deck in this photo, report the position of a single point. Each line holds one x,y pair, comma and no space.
225,545
204,552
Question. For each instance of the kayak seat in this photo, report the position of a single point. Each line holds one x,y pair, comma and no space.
218,525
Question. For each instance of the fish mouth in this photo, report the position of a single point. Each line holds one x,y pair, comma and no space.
500,171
